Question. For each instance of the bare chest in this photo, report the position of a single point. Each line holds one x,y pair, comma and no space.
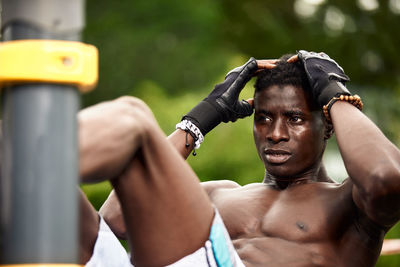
306,225
302,214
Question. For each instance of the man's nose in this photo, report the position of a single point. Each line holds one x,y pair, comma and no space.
278,131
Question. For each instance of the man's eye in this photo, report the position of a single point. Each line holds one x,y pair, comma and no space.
296,119
263,119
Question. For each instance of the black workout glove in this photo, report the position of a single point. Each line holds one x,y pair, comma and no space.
326,77
222,103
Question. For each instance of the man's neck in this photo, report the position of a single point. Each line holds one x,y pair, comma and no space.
316,174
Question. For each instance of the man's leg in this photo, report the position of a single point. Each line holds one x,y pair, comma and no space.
167,213
105,147
88,228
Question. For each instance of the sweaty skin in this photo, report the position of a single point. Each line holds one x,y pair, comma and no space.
308,224
298,216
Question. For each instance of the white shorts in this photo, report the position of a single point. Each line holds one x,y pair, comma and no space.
218,251
108,251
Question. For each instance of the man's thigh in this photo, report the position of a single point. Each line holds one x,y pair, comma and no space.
167,213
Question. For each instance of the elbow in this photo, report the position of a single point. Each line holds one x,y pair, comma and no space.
116,224
383,185
112,214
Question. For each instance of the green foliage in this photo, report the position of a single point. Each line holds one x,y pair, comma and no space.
171,53
364,42
97,193
170,43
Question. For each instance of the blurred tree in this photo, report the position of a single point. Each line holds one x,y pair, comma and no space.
174,44
361,35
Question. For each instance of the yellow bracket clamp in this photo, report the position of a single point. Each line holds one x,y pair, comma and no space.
49,61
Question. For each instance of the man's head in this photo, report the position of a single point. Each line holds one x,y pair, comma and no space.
289,130
284,74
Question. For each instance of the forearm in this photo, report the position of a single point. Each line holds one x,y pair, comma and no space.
179,139
112,214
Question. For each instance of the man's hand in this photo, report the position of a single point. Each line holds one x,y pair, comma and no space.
326,77
222,104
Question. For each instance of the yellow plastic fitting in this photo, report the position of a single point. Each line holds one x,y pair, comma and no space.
49,61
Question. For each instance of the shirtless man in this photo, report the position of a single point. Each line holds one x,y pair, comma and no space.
297,216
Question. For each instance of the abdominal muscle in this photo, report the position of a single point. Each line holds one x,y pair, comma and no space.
270,251
313,224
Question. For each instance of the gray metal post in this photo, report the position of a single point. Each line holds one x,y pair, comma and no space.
39,201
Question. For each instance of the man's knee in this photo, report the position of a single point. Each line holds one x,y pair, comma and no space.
110,133
135,103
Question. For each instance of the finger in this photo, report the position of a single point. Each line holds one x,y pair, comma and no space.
266,63
251,102
293,59
239,83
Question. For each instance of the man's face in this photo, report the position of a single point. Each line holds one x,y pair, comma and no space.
289,136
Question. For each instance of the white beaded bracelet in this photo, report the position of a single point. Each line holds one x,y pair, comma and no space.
194,131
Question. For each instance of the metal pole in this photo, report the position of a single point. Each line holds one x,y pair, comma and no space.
39,203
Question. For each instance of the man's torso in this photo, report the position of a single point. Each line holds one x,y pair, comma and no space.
314,224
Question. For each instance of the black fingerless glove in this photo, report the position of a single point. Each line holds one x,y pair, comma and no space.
326,77
222,104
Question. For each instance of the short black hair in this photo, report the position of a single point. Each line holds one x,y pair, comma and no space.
283,74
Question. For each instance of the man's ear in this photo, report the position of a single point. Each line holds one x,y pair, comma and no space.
328,130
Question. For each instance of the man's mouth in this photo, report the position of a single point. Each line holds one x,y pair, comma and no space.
277,156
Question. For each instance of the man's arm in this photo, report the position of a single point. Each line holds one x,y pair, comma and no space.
372,162
221,105
179,139
225,106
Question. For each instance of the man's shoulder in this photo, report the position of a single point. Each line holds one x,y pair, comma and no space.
211,186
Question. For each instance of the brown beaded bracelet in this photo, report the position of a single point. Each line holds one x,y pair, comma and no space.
355,100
